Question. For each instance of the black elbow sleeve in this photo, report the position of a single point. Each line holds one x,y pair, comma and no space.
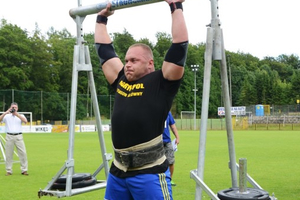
177,53
105,52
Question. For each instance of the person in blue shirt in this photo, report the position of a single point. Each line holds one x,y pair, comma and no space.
168,146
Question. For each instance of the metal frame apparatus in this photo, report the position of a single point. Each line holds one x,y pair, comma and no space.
82,62
215,51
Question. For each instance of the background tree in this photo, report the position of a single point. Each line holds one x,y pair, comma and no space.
295,87
44,74
122,41
61,44
16,57
35,65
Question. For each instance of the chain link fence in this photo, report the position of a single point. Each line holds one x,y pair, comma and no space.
54,108
257,117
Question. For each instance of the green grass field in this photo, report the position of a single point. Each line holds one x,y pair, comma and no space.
272,158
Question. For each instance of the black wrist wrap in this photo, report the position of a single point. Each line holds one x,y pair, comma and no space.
101,19
174,6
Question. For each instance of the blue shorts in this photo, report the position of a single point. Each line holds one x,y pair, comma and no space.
139,187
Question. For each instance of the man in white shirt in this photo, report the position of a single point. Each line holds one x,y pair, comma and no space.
14,137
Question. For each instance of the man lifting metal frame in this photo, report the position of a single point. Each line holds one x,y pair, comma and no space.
215,51
81,62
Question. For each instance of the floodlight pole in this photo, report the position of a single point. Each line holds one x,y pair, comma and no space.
195,69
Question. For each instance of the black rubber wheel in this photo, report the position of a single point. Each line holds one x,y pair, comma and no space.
78,184
251,194
75,178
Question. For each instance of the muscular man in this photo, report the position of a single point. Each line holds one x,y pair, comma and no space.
142,102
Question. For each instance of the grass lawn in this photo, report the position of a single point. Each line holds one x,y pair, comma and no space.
272,158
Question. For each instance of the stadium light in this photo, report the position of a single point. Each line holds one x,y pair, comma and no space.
195,69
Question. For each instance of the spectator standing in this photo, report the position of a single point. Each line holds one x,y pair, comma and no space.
14,137
169,148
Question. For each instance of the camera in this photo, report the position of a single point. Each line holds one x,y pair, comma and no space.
12,110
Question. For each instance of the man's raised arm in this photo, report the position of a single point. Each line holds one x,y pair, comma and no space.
111,64
173,66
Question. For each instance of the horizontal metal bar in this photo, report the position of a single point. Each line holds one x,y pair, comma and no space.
115,5
193,175
59,194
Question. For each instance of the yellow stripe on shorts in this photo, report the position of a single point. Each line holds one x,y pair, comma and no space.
164,186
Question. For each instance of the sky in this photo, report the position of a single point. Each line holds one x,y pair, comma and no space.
259,27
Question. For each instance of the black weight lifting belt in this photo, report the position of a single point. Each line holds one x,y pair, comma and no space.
140,156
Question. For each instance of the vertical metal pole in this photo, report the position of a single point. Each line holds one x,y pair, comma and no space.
204,110
78,58
226,99
215,50
70,161
229,71
3,103
87,100
243,175
195,90
105,157
12,96
219,54
67,108
42,107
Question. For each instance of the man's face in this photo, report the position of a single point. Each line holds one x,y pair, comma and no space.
137,63
15,107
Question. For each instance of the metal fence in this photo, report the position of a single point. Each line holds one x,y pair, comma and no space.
48,107
54,108
256,117
245,123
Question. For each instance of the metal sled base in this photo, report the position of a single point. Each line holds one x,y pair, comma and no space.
48,191
59,194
